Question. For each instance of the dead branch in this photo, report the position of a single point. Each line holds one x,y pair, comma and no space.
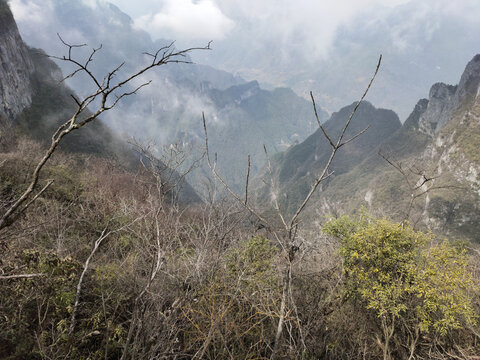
20,276
422,186
96,245
103,92
246,181
335,148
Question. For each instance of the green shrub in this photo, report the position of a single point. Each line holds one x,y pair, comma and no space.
411,284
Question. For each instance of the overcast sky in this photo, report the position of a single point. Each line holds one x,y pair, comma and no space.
215,19
310,23
314,21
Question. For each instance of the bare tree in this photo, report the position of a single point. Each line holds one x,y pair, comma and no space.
108,92
287,233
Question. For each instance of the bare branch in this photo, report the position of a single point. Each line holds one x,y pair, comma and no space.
96,245
50,182
355,136
347,124
335,148
319,123
287,240
20,276
75,99
419,187
103,90
118,98
246,181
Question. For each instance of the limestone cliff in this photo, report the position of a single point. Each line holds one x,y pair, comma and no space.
16,67
446,100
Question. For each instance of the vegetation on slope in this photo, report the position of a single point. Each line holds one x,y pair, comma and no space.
174,282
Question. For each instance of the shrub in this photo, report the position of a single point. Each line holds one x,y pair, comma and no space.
412,285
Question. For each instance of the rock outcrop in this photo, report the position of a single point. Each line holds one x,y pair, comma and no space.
444,100
16,67
469,86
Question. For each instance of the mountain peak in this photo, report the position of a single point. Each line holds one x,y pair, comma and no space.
445,99
442,91
469,85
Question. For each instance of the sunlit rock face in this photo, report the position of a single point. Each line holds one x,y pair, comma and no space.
444,100
16,67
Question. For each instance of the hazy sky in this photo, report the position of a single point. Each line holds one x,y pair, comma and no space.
315,22
215,19
309,23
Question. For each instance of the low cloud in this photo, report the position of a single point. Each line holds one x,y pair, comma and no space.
187,20
38,25
35,13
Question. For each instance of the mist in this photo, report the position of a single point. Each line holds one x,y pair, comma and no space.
317,45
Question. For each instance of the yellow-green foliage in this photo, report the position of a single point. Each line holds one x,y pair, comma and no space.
397,272
444,283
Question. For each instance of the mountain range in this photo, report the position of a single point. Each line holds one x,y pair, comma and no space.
432,160
296,49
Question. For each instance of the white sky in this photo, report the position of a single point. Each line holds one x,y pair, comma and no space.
215,19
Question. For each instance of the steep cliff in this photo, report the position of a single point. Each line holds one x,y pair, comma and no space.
445,100
16,67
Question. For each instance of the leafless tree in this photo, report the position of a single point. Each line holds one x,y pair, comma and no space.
108,92
286,234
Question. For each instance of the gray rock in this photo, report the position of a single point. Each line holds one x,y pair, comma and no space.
439,108
444,100
16,67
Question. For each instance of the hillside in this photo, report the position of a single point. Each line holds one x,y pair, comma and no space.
296,169
107,254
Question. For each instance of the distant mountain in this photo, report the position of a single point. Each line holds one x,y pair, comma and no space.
241,116
246,118
439,142
296,168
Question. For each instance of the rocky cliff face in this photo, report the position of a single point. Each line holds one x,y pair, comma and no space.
441,139
445,100
16,67
439,109
469,86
